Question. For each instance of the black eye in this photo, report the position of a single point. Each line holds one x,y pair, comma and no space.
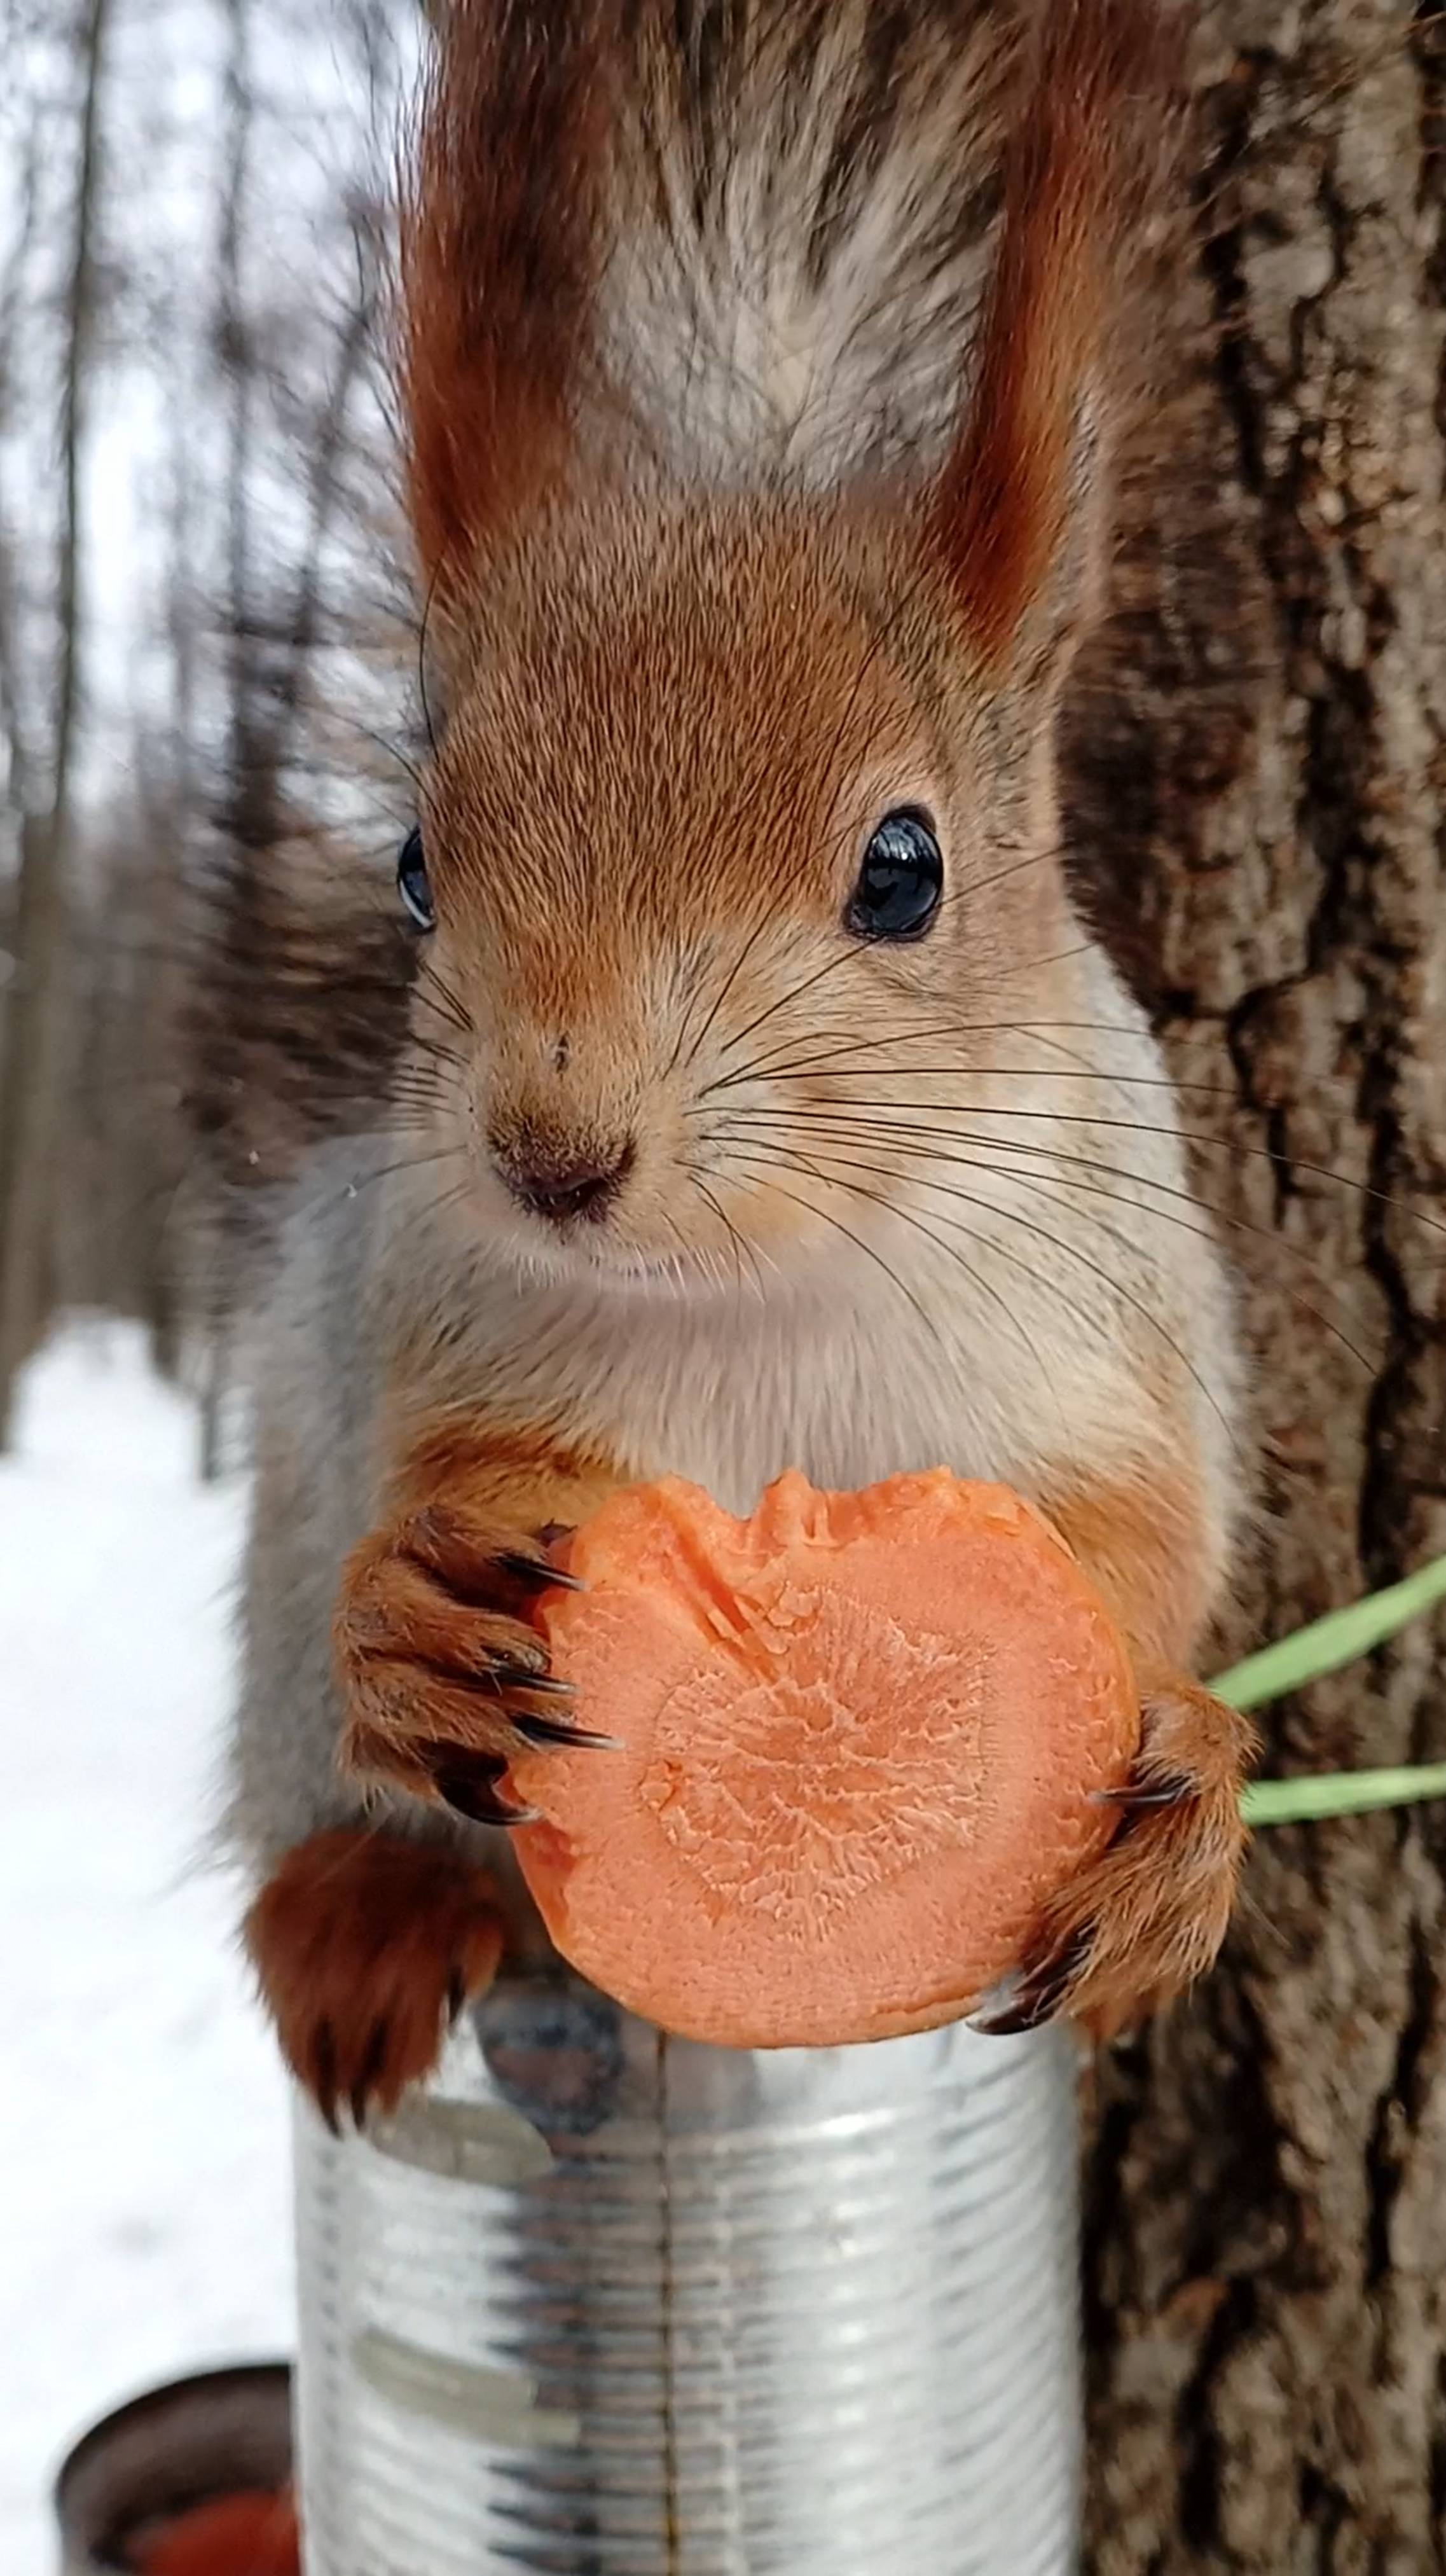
412,882
901,879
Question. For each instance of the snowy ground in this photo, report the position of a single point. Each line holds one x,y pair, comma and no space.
143,2158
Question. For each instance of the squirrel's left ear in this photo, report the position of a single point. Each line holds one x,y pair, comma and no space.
500,220
1020,510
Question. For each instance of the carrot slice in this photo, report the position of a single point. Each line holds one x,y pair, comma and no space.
250,2533
861,1741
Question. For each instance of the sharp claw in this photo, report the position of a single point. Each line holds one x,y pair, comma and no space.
538,1572
371,2067
456,1997
1032,2007
550,1730
469,1783
518,1677
482,1806
324,2071
1010,2022
1172,1792
1043,1991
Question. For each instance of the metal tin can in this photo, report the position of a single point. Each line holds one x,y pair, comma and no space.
167,2450
605,2303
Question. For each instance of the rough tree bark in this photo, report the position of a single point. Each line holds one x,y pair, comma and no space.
1266,2186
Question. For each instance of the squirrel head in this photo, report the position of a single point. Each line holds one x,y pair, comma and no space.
723,806
741,835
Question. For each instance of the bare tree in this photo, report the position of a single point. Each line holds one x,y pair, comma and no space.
34,1022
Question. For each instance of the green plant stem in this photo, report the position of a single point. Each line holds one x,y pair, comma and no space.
1330,1642
1338,1639
1339,1793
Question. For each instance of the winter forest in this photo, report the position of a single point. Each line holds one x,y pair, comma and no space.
209,716
205,664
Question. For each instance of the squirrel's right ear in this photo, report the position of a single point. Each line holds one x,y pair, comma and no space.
1020,510
500,207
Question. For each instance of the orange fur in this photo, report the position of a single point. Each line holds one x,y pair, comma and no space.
436,1652
363,1943
1148,1918
521,1475
1141,1924
1146,1545
498,262
1081,177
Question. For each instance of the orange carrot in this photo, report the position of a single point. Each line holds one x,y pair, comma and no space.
250,2533
861,1737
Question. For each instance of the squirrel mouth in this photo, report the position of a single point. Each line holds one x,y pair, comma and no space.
598,1256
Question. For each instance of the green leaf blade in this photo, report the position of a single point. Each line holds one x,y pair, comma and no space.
1309,1800
1339,1638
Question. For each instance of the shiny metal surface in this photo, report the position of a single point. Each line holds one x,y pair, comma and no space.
608,2304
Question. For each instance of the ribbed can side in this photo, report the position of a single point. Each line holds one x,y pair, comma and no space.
607,2304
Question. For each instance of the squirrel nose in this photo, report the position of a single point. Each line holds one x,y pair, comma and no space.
559,1185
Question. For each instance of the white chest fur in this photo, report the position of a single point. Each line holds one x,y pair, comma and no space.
849,1376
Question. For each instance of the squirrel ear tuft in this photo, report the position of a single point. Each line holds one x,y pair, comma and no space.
1019,510
501,201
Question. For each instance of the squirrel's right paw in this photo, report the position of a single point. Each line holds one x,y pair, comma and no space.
442,1671
366,1947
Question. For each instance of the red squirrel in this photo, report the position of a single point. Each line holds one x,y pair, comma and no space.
764,368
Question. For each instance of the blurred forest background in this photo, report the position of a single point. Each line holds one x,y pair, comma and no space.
204,647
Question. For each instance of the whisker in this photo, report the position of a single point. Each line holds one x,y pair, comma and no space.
712,1203
433,1091
852,956
744,953
1062,1189
406,1163
909,1145
414,1119
810,1209
845,957
434,1003
380,741
1037,965
682,1259
1074,1072
411,1117
425,1042
1059,1243
1016,1261
456,1009
906,1035
433,1065
1052,854
911,1217
1279,1161
742,1248
447,1199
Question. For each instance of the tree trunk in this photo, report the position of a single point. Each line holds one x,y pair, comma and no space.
249,803
30,1078
1266,2183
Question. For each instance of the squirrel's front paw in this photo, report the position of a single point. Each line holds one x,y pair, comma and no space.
443,1673
366,1947
1147,1918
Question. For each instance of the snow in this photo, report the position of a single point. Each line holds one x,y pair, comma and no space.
145,2188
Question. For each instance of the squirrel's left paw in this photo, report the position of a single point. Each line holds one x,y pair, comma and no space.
366,1945
1146,1919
